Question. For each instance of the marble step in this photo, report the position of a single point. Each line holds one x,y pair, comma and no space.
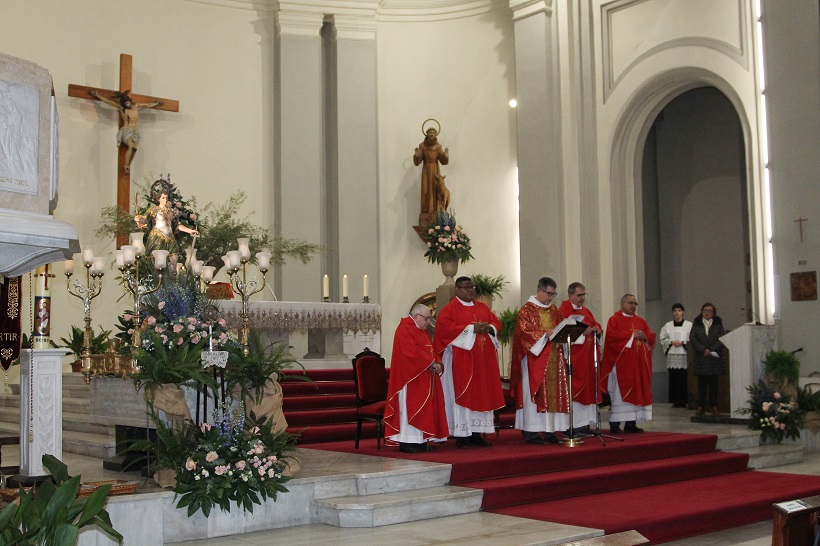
398,507
101,446
768,456
79,422
738,439
70,405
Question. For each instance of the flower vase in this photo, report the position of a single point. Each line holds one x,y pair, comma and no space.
449,269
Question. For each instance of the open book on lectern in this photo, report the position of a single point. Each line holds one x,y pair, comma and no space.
569,327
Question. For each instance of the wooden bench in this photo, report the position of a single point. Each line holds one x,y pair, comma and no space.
794,523
627,538
8,440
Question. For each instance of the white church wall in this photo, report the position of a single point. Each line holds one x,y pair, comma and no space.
214,58
460,72
703,48
792,47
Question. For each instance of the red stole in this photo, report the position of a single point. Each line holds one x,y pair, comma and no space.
409,366
476,378
547,372
583,365
634,363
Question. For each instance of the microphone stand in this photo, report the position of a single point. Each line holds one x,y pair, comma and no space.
598,432
570,441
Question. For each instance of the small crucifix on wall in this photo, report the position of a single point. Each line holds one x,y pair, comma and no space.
799,222
128,104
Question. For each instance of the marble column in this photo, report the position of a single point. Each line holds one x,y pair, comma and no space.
41,408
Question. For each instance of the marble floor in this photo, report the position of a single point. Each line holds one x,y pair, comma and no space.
484,528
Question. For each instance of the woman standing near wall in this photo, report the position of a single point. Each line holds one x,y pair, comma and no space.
708,350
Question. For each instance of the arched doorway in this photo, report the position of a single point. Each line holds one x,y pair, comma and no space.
695,212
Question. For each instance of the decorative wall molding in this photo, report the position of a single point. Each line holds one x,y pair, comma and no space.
435,10
612,75
526,8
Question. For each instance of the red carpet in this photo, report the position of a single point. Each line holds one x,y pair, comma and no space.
665,485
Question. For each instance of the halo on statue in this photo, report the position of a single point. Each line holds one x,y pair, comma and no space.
438,126
161,186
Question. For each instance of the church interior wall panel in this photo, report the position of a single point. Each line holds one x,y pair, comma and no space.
302,160
358,162
425,71
792,54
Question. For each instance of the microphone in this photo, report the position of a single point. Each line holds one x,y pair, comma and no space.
750,311
798,350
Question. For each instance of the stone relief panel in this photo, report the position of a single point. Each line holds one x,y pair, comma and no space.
19,126
633,30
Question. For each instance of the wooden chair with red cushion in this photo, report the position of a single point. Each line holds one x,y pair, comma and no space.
370,377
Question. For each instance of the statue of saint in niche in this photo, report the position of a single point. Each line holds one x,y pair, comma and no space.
434,193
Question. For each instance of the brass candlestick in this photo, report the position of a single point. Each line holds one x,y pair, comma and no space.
94,271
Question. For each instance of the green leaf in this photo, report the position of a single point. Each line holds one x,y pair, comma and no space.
93,504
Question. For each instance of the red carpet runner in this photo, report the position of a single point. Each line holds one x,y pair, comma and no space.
665,485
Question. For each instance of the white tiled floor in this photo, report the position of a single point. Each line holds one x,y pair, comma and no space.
481,528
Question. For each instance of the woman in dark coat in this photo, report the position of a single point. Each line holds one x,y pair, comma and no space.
708,351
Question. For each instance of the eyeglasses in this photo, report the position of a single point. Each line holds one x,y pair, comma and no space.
550,293
424,317
582,295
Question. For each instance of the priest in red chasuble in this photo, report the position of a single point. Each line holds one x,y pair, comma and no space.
627,367
584,404
538,372
414,413
466,340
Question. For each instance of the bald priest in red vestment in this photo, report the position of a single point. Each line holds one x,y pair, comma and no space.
584,403
414,414
466,340
627,367
538,371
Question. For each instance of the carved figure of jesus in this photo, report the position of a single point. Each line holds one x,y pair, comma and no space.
129,134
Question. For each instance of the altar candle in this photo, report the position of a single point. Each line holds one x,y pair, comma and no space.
42,306
88,256
210,337
344,286
365,287
69,267
325,287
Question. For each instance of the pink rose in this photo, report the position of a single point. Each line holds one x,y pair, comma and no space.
220,470
177,328
766,406
161,305
151,321
211,456
126,317
195,339
777,396
446,228
429,245
205,427
431,231
240,465
221,322
192,216
191,320
190,465
180,341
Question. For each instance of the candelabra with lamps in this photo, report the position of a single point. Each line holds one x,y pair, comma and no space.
94,271
234,261
128,262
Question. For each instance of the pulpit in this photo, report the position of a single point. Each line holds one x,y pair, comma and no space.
748,346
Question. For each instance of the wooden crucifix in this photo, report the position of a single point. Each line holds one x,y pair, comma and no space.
128,136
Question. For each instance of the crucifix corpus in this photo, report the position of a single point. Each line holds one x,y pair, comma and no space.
799,222
128,104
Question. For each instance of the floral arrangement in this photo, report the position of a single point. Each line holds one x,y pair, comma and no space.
773,414
446,241
237,459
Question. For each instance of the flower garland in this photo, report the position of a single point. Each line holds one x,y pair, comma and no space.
446,241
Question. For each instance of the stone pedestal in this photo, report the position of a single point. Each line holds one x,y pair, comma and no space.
748,346
325,344
41,408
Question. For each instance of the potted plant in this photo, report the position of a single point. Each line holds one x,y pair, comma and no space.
53,514
488,288
773,413
508,317
74,343
809,401
783,370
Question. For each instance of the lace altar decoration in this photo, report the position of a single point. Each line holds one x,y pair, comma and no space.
282,316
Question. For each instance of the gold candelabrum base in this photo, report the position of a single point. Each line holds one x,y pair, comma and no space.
110,364
246,288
